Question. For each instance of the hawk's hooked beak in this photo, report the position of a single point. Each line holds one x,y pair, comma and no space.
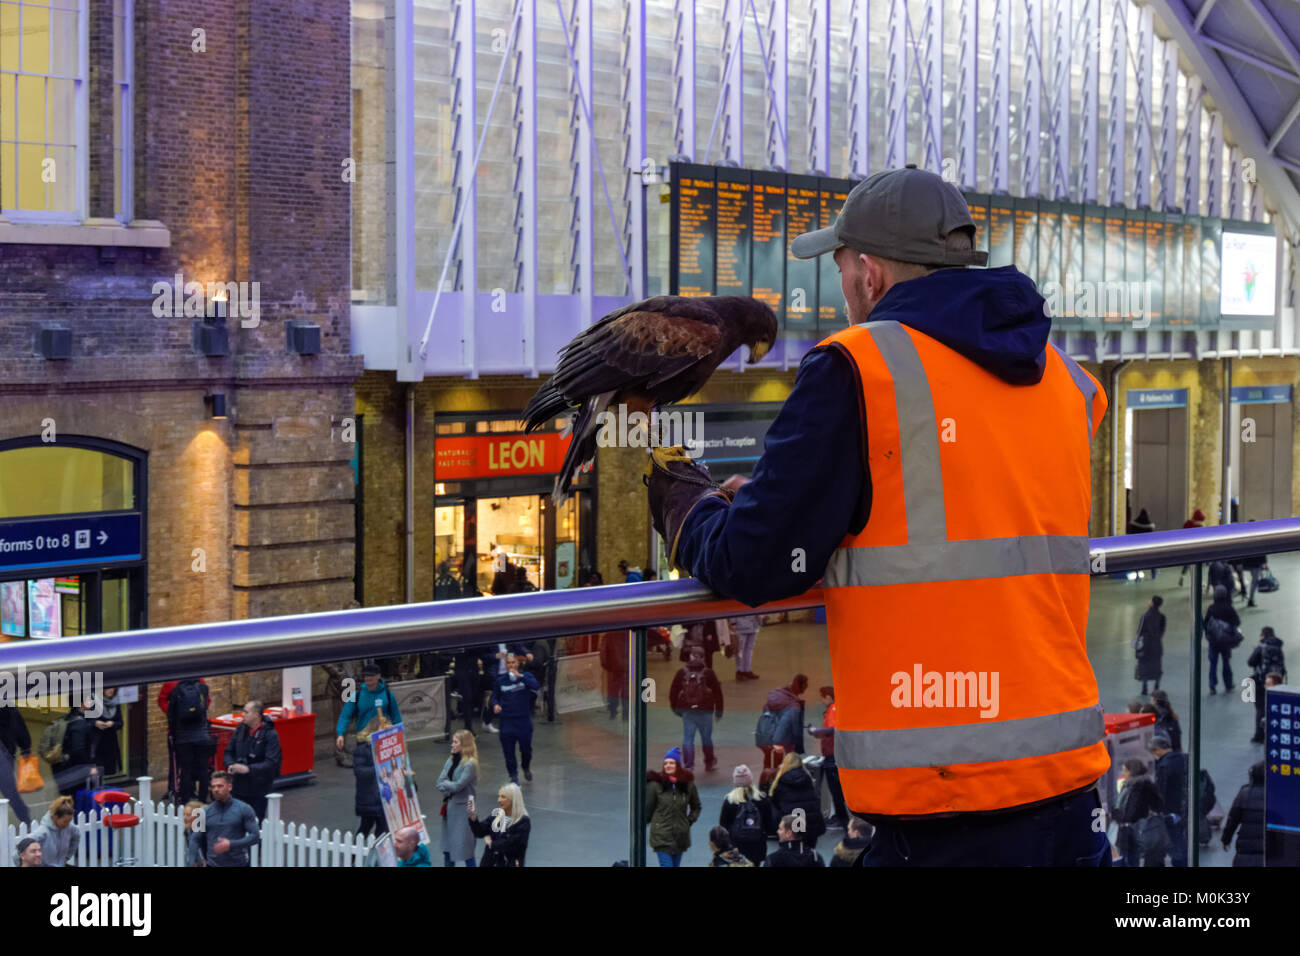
757,351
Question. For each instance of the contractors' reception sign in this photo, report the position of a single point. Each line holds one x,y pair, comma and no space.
496,455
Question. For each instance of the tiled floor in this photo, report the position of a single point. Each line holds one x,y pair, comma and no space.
578,799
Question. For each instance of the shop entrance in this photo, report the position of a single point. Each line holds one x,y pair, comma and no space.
510,543
1261,454
1158,455
72,563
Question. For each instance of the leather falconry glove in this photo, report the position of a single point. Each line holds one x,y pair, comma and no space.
677,484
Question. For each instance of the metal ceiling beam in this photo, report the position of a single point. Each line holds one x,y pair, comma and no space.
1231,102
1203,13
1284,126
1275,33
1259,62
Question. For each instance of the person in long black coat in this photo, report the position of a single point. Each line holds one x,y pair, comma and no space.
369,808
1221,609
1143,524
108,752
1247,813
1149,645
792,790
77,770
1142,839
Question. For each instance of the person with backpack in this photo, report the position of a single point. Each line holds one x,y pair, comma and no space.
781,722
187,716
370,699
68,745
1246,820
1171,782
1222,635
1265,659
792,849
696,697
793,790
173,766
1167,721
1271,679
1142,839
15,742
253,758
746,815
1148,646
1218,576
725,853
701,636
672,805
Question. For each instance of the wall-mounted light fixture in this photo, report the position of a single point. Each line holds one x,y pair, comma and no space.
216,405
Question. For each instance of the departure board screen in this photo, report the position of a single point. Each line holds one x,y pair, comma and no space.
1152,301
1211,235
1002,232
768,240
1192,269
1026,247
1101,268
802,208
832,314
1173,304
978,204
1109,306
694,226
734,231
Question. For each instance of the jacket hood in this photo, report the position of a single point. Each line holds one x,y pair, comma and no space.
780,699
694,665
1272,640
994,317
658,776
849,848
1198,515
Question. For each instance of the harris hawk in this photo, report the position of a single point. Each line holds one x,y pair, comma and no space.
650,353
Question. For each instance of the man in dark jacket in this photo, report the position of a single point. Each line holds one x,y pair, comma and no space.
1267,658
1221,623
187,716
512,703
1247,813
77,769
1255,564
15,741
787,704
1149,646
792,851
229,829
253,756
1219,575
1171,782
857,837
613,661
696,697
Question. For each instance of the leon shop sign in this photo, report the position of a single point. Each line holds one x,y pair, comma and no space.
496,455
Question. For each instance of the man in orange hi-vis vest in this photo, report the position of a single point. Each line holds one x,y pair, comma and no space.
931,467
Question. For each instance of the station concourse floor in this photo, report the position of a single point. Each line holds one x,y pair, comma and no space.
578,799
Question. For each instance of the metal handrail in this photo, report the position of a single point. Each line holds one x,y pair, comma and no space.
167,653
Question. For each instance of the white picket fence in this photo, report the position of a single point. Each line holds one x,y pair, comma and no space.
160,838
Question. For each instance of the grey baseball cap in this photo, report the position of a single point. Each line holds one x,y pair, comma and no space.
904,214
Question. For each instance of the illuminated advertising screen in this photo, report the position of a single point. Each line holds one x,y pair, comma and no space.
831,311
802,208
13,609
768,241
733,232
1026,213
1248,272
1002,232
44,605
1211,234
693,227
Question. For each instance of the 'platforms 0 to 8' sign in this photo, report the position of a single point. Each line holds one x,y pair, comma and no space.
493,456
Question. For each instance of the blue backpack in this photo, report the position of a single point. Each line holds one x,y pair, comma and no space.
765,730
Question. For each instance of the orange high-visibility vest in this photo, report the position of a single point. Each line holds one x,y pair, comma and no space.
957,616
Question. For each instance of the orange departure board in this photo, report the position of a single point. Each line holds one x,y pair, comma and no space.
694,228
832,313
1002,232
767,239
802,209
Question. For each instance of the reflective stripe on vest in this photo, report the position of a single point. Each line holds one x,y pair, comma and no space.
1084,383
928,555
968,743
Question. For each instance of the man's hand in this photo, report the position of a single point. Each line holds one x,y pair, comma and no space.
238,768
338,743
676,485
221,846
496,708
734,482
104,724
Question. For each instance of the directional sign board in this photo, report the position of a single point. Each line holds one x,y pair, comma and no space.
1282,776
76,539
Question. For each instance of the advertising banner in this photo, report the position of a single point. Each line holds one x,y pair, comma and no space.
423,706
395,782
579,683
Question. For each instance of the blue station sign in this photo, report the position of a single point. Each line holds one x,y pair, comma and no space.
1261,395
1156,397
76,539
1282,775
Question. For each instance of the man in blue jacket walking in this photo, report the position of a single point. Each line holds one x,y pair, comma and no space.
370,698
512,702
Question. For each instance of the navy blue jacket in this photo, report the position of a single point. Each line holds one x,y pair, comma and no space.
513,694
812,486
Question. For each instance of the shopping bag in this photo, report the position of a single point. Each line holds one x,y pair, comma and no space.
29,775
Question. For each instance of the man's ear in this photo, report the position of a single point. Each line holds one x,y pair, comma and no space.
875,275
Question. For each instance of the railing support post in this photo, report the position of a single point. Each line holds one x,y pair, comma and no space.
272,840
636,759
1194,724
145,850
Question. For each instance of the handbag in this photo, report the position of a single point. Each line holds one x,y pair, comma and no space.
29,775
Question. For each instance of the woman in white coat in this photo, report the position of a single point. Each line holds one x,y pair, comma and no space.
456,783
